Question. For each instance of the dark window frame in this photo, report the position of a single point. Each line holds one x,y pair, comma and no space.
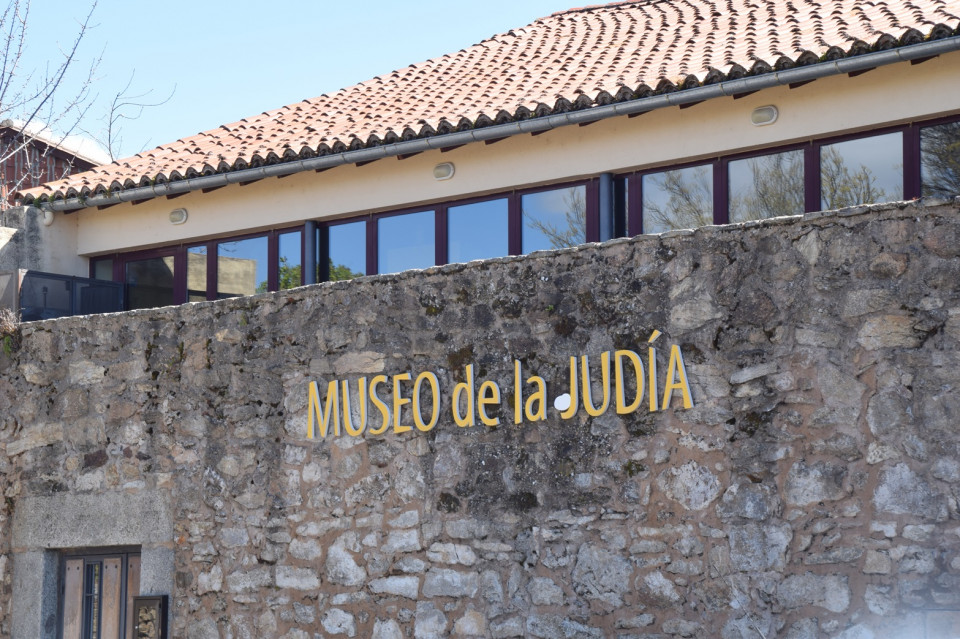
373,256
911,158
635,189
917,139
440,209
628,214
179,254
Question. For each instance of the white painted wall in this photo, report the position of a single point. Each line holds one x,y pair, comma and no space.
888,95
26,243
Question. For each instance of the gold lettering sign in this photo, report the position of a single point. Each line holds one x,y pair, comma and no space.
474,401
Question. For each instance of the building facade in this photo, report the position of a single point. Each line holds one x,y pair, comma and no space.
644,133
732,418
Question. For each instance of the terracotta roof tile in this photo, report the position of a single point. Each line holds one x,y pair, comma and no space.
571,59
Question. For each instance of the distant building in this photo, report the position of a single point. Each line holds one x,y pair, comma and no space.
31,154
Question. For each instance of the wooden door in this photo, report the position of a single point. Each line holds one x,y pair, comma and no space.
97,596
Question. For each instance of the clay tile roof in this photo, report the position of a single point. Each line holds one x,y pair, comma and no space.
571,59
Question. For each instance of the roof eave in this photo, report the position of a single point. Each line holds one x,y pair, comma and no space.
533,125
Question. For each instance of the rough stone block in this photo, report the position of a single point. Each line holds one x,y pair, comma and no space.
692,485
809,484
297,578
442,582
342,568
826,591
902,492
408,587
756,547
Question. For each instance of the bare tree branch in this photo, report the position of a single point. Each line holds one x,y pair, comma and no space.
125,106
36,105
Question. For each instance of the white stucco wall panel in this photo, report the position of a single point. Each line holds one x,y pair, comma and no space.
836,105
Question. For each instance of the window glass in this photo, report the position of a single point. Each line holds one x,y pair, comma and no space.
348,251
678,199
940,160
554,219
91,600
861,171
103,269
149,282
241,267
196,273
621,206
289,268
405,242
766,186
477,231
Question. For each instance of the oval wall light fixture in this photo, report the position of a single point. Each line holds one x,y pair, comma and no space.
764,115
178,216
443,171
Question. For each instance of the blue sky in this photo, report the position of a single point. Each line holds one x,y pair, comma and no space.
226,60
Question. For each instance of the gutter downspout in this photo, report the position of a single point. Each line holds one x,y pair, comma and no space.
535,125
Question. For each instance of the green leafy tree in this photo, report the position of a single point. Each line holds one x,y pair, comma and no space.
340,272
290,276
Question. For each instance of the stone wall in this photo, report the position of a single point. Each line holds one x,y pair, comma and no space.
811,491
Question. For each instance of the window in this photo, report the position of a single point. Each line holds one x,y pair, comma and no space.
554,219
347,253
196,273
211,270
97,595
765,186
289,267
478,230
940,160
102,269
149,282
861,171
677,199
406,241
460,231
242,267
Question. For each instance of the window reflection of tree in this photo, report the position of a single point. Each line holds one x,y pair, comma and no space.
776,188
842,186
289,275
573,230
940,159
688,203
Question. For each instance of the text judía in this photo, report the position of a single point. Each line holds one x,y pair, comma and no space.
621,372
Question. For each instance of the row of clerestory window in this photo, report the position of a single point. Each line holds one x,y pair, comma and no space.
896,163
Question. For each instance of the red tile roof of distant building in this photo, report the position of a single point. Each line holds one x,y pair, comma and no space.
572,59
